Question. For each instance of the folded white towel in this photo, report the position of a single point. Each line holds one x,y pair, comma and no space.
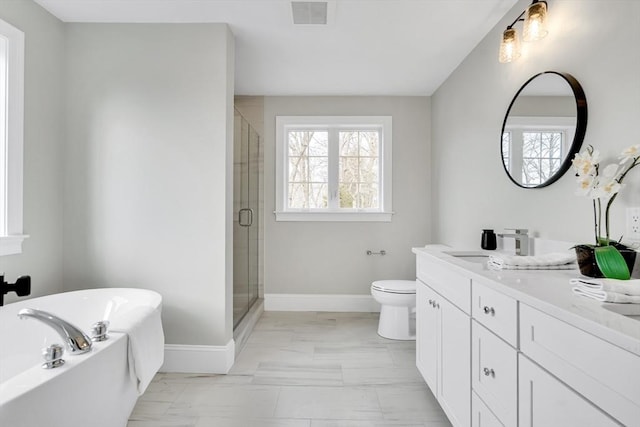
494,266
605,296
552,261
626,287
146,343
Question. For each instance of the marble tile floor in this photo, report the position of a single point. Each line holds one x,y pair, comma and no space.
300,369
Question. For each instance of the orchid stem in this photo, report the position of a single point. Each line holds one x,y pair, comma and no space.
595,222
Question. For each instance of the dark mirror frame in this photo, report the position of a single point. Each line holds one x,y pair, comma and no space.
581,127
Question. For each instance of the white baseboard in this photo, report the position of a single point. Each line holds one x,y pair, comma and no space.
204,359
306,302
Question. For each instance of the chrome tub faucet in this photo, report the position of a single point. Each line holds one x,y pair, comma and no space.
77,341
521,237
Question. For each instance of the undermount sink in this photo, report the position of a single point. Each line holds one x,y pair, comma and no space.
631,311
469,256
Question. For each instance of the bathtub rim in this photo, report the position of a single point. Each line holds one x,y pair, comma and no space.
26,380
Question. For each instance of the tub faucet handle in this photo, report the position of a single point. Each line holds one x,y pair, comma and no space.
99,331
53,356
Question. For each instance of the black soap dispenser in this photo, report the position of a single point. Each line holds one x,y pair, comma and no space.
488,240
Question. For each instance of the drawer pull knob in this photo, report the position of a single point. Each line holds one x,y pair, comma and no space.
437,305
489,310
489,372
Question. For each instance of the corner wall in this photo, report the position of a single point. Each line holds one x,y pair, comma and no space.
43,143
328,258
595,41
148,177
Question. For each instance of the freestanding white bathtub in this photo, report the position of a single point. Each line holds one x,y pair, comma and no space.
94,389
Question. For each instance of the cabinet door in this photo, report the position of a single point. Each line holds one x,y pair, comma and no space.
454,381
426,334
547,402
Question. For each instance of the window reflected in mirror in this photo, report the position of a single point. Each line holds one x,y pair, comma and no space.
544,125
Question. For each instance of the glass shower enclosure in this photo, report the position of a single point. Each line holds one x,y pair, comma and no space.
246,223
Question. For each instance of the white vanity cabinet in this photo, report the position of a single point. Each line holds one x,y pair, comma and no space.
516,349
443,346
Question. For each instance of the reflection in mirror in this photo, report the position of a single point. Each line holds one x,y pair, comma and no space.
543,128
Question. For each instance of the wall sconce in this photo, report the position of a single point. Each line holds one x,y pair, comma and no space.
534,28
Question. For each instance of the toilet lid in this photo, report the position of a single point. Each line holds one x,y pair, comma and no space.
395,286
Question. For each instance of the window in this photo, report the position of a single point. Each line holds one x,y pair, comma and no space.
333,168
11,131
533,148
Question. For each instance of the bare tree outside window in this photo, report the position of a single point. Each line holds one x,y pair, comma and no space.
541,156
359,169
308,172
333,168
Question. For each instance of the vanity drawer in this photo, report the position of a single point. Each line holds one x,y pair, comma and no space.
494,373
496,311
545,401
604,374
452,285
481,415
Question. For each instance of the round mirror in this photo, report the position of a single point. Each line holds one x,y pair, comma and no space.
543,129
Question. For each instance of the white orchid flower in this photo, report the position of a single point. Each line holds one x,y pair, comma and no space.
607,184
606,189
585,185
603,184
612,171
630,153
585,163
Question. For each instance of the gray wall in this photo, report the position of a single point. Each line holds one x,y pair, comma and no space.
329,257
43,138
596,41
544,106
148,169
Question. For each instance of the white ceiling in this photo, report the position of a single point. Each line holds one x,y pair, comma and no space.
370,47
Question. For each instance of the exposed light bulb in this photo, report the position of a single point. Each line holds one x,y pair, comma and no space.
510,46
535,22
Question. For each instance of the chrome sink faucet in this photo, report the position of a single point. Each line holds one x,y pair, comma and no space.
521,237
77,341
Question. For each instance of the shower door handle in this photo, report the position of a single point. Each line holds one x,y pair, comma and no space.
249,217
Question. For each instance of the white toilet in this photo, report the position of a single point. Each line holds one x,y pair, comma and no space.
398,311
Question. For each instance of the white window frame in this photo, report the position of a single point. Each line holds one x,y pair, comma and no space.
11,143
333,124
517,125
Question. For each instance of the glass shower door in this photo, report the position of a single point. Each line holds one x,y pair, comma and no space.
246,183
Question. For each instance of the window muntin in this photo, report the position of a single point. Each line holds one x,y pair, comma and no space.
333,168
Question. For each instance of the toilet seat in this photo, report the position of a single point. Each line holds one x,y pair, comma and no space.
395,286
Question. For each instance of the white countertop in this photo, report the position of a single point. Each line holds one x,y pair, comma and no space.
550,292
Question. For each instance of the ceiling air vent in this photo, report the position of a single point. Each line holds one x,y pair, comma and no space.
309,12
